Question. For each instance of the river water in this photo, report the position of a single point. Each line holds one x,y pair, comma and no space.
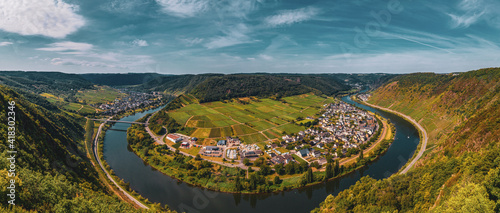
182,197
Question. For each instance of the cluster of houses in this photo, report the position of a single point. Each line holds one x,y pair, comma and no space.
341,125
134,100
364,97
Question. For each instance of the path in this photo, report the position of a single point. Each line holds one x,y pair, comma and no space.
420,128
138,203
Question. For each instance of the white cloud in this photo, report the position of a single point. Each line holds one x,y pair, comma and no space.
5,43
77,62
106,60
465,20
235,8
223,8
191,41
470,12
68,47
140,43
266,57
288,17
233,36
183,8
51,18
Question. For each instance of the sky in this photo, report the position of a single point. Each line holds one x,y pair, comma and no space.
248,36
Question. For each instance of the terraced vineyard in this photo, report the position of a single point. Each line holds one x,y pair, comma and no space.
253,120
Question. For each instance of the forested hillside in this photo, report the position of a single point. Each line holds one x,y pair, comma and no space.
234,86
45,82
53,173
120,79
175,84
459,171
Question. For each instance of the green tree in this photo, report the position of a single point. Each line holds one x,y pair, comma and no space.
336,168
276,180
278,168
238,183
469,198
246,161
328,171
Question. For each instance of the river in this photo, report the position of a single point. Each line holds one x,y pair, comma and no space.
180,196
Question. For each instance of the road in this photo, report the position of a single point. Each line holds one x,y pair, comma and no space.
112,121
138,203
415,123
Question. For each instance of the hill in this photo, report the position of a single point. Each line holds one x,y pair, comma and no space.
459,171
175,84
214,87
53,173
234,86
120,79
45,82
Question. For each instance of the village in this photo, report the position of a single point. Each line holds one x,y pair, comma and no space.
341,131
134,100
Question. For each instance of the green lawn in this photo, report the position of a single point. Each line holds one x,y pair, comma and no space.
298,159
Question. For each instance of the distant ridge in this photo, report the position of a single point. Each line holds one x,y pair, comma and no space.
120,79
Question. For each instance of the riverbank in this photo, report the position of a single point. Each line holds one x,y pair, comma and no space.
113,182
423,136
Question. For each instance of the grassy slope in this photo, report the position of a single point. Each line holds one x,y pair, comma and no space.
461,114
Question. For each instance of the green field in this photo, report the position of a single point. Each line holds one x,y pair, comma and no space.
102,94
257,121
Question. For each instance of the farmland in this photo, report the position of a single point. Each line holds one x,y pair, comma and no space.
101,94
253,120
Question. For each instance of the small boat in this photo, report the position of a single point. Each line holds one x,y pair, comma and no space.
408,136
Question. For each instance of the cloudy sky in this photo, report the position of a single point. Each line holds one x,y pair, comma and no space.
235,36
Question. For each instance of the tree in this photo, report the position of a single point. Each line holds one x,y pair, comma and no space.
469,198
316,165
360,158
265,169
276,180
329,171
309,176
339,152
329,159
238,183
198,157
278,168
336,169
246,161
290,168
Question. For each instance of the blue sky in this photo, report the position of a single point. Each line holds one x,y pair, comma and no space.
237,36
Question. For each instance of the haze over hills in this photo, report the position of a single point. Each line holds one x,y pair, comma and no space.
460,168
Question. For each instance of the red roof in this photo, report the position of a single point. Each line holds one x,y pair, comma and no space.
172,136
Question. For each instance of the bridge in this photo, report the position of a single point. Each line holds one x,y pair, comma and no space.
113,121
